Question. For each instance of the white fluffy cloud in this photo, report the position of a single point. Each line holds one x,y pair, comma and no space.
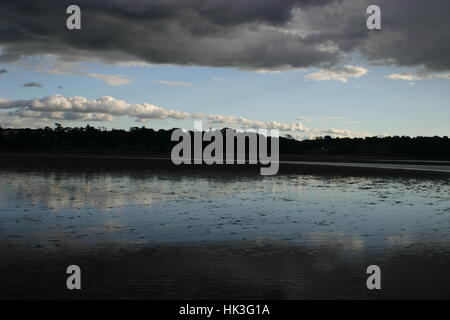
81,108
418,76
18,113
218,119
339,132
111,79
222,120
338,74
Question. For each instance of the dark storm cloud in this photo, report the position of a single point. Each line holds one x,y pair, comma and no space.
248,34
189,32
414,32
32,85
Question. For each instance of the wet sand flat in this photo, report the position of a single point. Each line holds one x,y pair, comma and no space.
333,165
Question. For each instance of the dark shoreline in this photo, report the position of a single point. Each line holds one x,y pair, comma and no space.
160,162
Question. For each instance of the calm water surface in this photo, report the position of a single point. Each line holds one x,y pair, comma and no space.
291,236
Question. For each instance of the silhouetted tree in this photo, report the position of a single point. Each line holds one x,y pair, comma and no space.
150,141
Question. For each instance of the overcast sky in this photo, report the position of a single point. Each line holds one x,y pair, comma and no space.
309,68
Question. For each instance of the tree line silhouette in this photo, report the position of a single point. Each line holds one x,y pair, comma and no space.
145,140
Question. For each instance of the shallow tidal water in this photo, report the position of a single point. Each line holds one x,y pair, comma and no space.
150,234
